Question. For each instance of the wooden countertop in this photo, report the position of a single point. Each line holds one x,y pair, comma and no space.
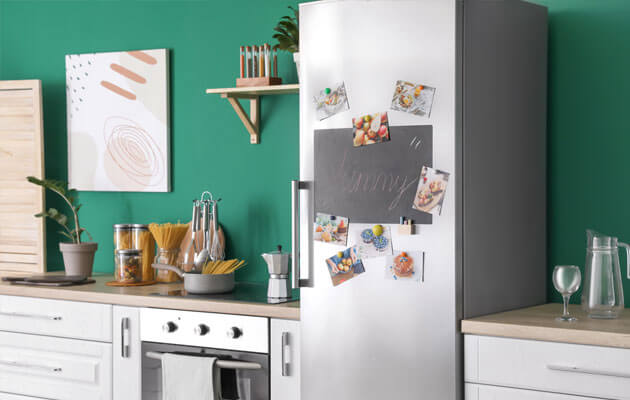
538,323
144,296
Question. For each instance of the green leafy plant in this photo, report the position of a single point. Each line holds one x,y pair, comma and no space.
60,188
288,34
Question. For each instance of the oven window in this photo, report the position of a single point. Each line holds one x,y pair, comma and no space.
250,384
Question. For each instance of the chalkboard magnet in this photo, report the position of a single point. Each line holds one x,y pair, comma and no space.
406,229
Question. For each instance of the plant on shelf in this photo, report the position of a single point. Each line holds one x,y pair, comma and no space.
288,35
78,256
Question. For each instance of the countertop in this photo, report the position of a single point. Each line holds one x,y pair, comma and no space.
538,323
145,296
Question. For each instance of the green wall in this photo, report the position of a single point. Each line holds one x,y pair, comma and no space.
209,145
589,131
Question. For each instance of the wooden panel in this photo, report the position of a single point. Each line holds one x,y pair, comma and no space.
22,241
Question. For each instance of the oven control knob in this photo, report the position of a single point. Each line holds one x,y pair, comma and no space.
234,332
169,327
201,329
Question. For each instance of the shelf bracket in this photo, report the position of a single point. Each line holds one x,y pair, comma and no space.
251,121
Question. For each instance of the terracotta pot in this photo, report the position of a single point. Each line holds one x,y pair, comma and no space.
78,258
296,59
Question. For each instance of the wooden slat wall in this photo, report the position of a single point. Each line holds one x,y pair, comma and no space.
22,236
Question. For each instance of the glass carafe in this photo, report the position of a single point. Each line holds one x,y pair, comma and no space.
602,296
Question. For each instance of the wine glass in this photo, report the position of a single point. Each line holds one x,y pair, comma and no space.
566,280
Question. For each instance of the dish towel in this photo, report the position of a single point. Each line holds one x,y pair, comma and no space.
189,377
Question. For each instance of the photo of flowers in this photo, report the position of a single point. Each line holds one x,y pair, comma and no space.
331,229
344,265
331,101
371,240
431,190
370,129
413,98
404,266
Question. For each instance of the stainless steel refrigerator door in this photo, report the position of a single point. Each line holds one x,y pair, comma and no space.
372,338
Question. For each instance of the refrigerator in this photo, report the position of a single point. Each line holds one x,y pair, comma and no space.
374,337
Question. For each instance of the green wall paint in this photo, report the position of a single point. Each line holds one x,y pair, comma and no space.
210,147
589,133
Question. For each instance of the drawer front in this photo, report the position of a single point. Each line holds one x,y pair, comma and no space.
9,396
554,367
69,319
484,392
55,368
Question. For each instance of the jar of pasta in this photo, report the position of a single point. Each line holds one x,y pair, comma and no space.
129,266
143,240
122,241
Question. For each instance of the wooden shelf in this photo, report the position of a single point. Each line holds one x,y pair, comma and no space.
253,93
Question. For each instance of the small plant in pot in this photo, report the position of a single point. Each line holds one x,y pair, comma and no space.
78,257
288,36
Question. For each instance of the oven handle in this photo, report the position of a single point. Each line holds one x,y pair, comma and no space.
219,363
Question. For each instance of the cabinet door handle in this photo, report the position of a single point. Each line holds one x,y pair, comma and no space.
286,364
124,337
35,316
18,364
589,371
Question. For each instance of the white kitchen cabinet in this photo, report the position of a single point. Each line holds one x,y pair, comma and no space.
127,356
9,396
55,368
71,319
285,360
571,369
485,392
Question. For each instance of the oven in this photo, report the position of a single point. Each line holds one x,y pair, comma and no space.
241,344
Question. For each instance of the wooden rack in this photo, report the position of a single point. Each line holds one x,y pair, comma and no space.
253,93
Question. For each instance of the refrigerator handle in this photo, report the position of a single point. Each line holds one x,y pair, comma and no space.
296,186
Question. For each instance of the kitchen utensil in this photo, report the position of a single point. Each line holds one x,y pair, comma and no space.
566,280
196,283
191,244
602,296
216,250
186,251
278,267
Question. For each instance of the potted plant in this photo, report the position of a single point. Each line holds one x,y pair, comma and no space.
288,36
78,257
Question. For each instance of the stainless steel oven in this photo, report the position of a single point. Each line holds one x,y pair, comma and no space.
240,342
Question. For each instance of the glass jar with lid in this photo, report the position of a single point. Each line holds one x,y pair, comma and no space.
129,265
142,239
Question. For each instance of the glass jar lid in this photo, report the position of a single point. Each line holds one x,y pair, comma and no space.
140,227
129,252
122,227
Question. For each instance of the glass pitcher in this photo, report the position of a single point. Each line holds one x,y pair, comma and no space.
602,296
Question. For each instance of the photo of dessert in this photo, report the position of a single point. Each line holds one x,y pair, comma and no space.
331,229
405,265
344,265
413,98
431,190
370,129
371,240
331,101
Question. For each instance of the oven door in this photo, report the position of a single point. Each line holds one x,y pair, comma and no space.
251,384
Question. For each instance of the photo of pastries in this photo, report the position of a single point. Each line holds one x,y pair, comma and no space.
344,265
331,101
371,240
431,190
404,265
370,129
413,98
331,229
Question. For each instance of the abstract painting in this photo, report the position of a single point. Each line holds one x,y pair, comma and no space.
118,121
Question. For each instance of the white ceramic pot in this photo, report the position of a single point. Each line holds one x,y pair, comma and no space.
296,59
78,258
